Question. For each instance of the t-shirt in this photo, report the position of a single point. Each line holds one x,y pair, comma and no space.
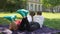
38,18
29,18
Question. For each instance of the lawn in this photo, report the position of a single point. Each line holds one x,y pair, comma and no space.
52,20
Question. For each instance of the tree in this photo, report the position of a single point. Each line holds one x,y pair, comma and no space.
51,3
19,4
11,5
2,4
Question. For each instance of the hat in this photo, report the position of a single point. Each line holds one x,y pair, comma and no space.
10,18
23,12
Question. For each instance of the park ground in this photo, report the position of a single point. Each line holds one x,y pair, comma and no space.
52,20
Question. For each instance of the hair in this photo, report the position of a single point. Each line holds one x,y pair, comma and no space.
39,13
32,13
13,26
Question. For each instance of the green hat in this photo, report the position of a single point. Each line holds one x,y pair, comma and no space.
10,18
23,12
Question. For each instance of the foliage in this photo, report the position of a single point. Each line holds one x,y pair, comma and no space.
51,3
12,5
2,3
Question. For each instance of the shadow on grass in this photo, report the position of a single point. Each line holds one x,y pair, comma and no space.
52,23
3,21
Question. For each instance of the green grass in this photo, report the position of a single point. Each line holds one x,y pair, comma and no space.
8,14
51,15
52,20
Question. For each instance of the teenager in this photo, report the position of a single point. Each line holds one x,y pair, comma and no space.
30,16
33,25
39,19
25,24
